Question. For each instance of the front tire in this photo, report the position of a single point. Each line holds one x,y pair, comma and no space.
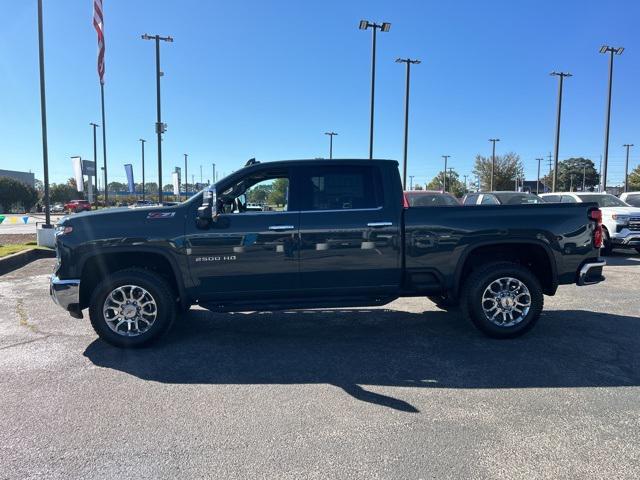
132,308
607,246
502,299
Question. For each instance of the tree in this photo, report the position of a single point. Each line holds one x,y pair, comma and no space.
508,168
167,188
278,194
259,193
574,167
454,185
16,196
61,193
118,187
634,179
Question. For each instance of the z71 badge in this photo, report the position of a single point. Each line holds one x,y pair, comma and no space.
221,258
158,215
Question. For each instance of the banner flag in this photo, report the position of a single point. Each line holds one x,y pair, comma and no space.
128,168
176,183
77,173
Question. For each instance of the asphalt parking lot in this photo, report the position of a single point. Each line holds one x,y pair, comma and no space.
405,391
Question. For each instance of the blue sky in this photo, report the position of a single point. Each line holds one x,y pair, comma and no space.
265,79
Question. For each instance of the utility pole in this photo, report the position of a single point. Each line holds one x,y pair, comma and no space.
538,182
450,176
383,27
408,62
493,160
444,173
142,140
411,182
612,51
571,184
550,160
213,173
584,176
160,127
626,167
95,160
561,76
186,178
331,135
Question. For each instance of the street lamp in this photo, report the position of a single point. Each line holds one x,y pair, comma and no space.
383,27
611,51
186,178
493,161
160,127
561,76
142,140
626,167
331,134
43,119
444,182
409,62
538,182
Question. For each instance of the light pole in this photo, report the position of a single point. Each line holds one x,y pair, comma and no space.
626,167
186,178
538,181
43,114
383,27
408,62
444,176
493,161
560,76
95,160
611,51
331,134
200,174
465,183
213,173
142,140
584,176
411,182
160,127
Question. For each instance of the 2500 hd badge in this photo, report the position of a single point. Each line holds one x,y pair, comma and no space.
224,258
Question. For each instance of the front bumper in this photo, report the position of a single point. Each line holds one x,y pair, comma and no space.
630,240
66,293
591,273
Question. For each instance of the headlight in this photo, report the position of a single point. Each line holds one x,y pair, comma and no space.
63,229
620,218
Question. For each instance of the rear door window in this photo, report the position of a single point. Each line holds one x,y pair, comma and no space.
552,198
471,199
489,200
335,187
567,199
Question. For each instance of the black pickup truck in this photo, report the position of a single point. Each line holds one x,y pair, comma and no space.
337,233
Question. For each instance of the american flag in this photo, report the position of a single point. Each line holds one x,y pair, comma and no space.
98,24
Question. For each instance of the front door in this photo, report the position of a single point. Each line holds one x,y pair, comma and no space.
251,249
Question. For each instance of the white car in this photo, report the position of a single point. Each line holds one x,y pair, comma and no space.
621,221
632,198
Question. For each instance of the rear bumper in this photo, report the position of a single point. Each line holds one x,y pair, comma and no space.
591,273
66,293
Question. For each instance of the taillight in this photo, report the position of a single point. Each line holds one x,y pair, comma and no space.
596,215
405,201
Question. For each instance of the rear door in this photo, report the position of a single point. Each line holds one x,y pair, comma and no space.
349,231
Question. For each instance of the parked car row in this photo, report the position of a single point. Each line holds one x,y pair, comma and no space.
620,216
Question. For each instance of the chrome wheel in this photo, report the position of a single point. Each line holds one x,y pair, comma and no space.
506,301
130,310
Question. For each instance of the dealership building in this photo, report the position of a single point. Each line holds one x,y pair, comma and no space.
25,177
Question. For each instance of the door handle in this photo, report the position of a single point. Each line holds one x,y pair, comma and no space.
379,224
278,228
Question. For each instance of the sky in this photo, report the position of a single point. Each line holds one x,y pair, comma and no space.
266,79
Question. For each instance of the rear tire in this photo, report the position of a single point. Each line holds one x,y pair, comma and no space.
132,308
502,299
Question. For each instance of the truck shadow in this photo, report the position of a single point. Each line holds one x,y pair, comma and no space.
351,348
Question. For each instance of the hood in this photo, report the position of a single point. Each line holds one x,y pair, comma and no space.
631,211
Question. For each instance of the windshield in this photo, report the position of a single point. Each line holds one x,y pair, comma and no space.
604,200
431,200
518,198
633,200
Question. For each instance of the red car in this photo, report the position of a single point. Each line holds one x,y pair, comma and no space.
430,198
77,206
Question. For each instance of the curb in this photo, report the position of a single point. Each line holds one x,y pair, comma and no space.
18,260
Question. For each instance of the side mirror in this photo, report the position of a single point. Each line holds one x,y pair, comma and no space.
208,211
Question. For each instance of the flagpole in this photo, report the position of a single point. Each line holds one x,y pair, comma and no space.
104,147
